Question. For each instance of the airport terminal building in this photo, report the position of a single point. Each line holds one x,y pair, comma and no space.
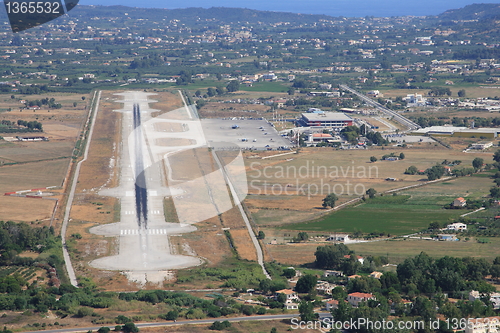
335,120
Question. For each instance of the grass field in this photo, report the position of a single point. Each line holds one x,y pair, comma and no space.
398,250
397,215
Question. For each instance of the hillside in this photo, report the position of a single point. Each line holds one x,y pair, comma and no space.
472,12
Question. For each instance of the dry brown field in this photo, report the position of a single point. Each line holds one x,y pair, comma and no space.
39,164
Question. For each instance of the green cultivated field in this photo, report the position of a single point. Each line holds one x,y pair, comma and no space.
398,250
396,215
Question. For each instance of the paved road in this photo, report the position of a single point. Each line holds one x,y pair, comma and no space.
185,322
410,125
69,203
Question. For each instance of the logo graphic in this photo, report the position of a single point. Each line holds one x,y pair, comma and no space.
29,14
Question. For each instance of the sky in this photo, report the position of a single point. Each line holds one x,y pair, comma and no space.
348,8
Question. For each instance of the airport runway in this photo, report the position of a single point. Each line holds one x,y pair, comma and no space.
144,250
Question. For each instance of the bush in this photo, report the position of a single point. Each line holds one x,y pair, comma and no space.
130,328
219,326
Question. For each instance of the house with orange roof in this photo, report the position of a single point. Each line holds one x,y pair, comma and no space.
355,298
459,202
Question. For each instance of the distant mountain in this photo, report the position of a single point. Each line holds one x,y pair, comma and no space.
477,11
222,14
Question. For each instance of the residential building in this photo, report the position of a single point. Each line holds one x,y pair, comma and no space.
332,305
333,273
355,298
459,202
457,226
338,238
376,275
494,298
325,288
290,294
483,325
415,100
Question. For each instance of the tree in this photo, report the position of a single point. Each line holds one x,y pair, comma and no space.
371,192
373,159
233,86
211,92
197,93
200,103
104,329
495,192
477,163
412,170
330,256
436,172
496,156
301,237
219,326
434,225
261,235
306,310
402,156
306,283
291,91
265,285
220,90
130,328
75,104
461,93
329,200
289,273
172,315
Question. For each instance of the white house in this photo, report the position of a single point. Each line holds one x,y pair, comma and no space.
333,273
338,238
483,325
355,298
290,294
415,100
457,226
494,298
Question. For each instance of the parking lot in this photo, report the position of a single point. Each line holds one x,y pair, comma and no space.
246,133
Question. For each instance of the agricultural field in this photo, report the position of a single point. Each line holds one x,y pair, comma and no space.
289,189
27,165
400,249
394,215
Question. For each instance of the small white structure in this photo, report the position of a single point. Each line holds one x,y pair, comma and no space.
414,100
333,273
457,226
338,238
481,145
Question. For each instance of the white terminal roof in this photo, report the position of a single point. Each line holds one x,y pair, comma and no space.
327,116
